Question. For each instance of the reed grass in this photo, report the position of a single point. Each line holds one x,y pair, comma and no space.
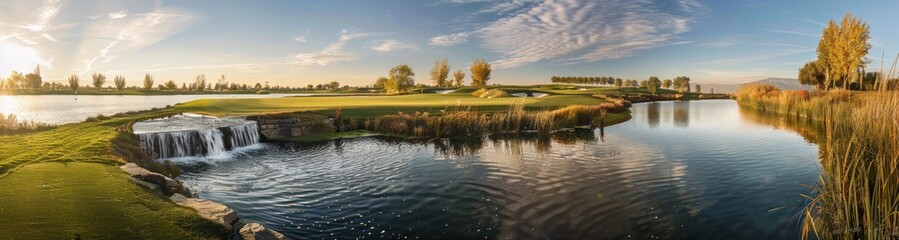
857,194
463,122
11,124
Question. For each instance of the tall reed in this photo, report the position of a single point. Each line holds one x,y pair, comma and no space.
465,122
857,195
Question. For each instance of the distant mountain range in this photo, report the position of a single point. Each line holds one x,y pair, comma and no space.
782,83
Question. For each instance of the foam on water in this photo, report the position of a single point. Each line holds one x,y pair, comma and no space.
187,138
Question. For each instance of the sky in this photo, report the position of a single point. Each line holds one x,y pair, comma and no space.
295,43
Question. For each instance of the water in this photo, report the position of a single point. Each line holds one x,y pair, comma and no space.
677,170
61,109
190,135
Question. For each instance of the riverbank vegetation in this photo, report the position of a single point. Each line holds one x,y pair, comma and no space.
857,195
859,187
461,122
10,124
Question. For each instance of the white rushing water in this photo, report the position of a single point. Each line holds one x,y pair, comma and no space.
194,136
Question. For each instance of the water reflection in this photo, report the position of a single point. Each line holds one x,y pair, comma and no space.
721,176
652,114
682,113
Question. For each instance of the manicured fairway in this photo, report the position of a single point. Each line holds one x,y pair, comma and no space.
63,184
372,106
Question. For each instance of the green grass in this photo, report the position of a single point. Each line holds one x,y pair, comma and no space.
84,193
57,200
373,106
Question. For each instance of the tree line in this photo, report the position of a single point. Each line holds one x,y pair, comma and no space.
653,83
401,77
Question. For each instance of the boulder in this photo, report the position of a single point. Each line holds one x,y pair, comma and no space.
168,185
255,231
213,211
148,185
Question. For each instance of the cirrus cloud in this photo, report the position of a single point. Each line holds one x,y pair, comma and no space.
571,31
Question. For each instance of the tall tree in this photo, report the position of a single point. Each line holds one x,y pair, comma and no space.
618,82
400,77
34,79
682,84
222,83
148,81
480,73
653,84
200,82
698,88
440,73
458,76
99,80
14,80
119,81
73,82
842,50
666,83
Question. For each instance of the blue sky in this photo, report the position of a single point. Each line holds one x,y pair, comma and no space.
301,42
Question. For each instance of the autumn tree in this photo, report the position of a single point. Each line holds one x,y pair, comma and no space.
119,81
666,83
400,78
148,81
440,72
380,83
480,73
73,82
682,84
653,84
842,50
813,73
458,76
99,80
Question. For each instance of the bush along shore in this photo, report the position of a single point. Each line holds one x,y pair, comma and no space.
857,196
465,122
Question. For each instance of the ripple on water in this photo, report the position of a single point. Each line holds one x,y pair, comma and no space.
643,179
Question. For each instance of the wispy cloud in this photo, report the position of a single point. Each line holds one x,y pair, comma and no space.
450,40
570,31
301,39
117,15
391,45
142,30
332,53
793,32
722,42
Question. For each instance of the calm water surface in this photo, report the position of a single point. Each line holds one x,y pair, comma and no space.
677,170
61,109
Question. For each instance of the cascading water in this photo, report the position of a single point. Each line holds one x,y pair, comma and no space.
195,136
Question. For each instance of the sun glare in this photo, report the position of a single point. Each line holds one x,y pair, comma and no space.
18,58
7,104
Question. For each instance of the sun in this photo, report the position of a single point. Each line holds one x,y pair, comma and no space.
18,58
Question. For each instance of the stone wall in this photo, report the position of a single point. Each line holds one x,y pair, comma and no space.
288,125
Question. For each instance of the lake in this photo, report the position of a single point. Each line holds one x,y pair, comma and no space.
61,109
677,170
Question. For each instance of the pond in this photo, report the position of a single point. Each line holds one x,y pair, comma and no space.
61,109
677,170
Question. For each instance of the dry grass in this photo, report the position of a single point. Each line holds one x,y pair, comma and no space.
857,196
10,124
464,122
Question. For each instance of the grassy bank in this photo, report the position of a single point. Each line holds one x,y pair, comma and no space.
63,183
857,196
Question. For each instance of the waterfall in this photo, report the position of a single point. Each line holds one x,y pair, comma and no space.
200,142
